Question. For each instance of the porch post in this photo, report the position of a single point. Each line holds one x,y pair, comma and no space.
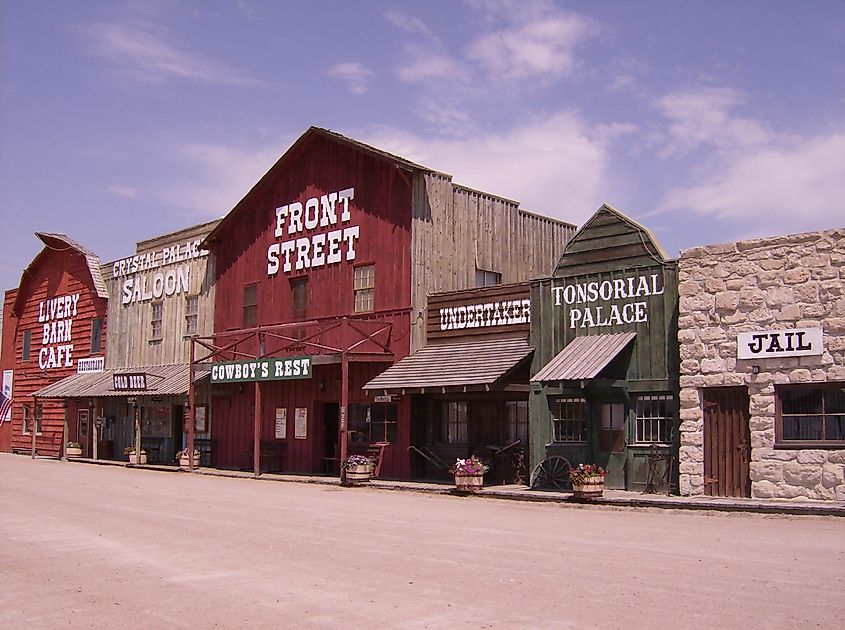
95,434
256,451
137,433
34,426
66,407
192,408
344,408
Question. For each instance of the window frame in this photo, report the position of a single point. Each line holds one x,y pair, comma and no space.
668,419
192,318
454,428
253,306
367,291
780,442
484,276
96,335
26,346
299,297
517,421
39,419
160,320
583,421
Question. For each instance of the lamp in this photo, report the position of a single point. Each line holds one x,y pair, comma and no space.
755,369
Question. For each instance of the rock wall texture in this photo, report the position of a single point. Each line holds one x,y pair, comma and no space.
795,281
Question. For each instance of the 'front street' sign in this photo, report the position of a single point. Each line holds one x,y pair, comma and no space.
261,370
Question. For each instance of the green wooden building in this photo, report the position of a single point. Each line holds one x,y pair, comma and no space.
604,384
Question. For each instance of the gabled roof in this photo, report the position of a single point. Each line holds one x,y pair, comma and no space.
61,242
311,134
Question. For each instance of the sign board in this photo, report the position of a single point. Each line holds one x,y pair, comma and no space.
383,399
281,423
56,317
94,364
135,382
484,311
269,369
6,407
300,423
608,302
769,344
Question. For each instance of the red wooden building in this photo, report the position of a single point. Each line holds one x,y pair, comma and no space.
330,257
54,326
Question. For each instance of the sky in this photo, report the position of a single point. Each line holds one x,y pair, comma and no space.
706,121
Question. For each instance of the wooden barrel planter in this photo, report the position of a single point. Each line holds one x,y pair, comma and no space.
185,462
73,451
592,488
358,474
469,483
134,460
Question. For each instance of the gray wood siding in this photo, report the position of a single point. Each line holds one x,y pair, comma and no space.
456,230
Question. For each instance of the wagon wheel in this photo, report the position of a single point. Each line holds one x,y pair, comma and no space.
552,472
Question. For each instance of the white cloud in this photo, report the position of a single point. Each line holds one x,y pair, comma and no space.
408,23
426,65
143,54
122,190
353,74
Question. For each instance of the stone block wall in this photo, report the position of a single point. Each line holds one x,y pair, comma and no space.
794,281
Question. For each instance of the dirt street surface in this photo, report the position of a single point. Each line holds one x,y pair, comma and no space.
104,547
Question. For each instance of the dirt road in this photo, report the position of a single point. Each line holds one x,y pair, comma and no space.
91,546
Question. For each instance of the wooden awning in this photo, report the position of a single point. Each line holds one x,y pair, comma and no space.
473,363
162,380
584,357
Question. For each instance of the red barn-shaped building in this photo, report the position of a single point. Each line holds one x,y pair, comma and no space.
54,326
322,275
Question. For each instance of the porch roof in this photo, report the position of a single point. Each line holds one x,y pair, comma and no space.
162,380
584,357
454,365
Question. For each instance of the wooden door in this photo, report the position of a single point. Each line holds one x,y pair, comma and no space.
611,443
82,428
727,442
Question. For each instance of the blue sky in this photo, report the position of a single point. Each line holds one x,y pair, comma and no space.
706,121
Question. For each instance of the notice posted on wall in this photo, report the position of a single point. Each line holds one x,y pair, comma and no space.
300,423
281,423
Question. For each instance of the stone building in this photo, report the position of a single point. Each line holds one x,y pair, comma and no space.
762,348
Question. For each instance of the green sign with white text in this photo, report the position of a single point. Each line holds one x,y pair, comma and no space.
261,370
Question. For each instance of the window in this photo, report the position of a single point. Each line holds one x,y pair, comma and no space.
299,297
453,423
96,335
156,319
612,427
27,418
27,344
517,415
569,420
811,415
250,306
365,282
655,420
485,278
191,311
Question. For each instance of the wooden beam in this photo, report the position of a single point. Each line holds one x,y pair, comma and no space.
256,451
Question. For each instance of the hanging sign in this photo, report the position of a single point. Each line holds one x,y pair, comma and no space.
269,369
767,344
135,382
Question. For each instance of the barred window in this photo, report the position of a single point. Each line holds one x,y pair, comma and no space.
655,418
191,314
517,414
156,320
365,282
453,423
569,421
811,415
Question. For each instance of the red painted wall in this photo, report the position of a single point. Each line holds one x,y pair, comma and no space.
52,274
7,360
382,209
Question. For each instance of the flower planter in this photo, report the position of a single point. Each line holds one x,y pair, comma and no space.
73,451
134,460
592,488
358,474
185,462
469,483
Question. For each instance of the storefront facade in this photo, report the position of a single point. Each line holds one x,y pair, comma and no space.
332,255
762,342
55,326
604,372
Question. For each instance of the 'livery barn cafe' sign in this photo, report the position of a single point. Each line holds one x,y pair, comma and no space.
269,369
144,281
56,317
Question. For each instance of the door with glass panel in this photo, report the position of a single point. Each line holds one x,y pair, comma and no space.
611,442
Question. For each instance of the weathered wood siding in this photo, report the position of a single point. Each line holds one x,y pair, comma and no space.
51,275
506,313
130,339
457,231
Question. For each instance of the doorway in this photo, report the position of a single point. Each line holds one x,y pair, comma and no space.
727,442
83,422
611,442
331,426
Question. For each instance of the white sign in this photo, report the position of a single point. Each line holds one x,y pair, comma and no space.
143,287
581,297
300,423
56,316
281,423
7,394
314,246
504,313
158,258
767,344
94,364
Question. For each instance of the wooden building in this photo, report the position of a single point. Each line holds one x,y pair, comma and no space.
604,373
158,298
54,327
331,256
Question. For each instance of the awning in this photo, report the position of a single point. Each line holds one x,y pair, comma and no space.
454,365
162,380
584,357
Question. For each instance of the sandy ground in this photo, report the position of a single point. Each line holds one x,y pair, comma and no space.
90,546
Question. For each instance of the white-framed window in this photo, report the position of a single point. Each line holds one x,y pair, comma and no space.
569,420
27,419
156,320
191,314
655,418
365,287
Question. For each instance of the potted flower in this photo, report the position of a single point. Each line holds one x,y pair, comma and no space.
73,449
130,451
359,469
469,474
587,481
184,459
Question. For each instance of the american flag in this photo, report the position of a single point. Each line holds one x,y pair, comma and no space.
5,407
